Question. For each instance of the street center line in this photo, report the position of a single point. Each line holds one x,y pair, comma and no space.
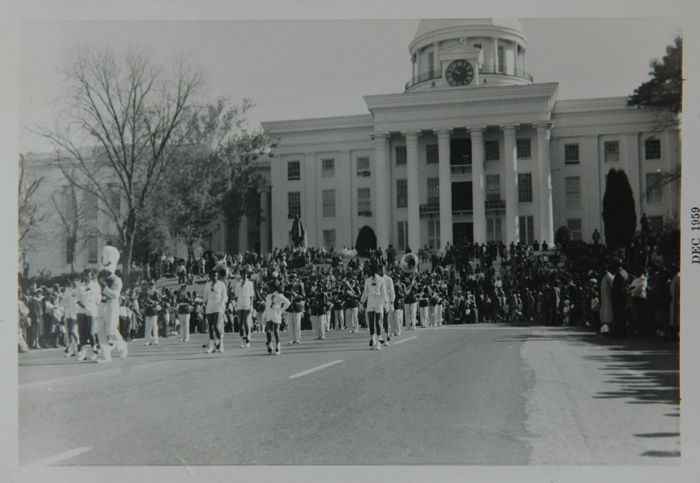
316,369
62,456
405,340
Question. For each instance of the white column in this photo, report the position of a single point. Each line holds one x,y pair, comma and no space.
382,189
478,188
445,187
265,216
308,197
511,183
495,54
413,190
243,234
546,231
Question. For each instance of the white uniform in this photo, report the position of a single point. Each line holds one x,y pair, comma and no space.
108,324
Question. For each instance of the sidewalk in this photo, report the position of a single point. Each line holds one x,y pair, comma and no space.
597,401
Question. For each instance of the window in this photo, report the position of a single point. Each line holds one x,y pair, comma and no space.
329,239
656,223
612,151
491,152
527,230
363,166
575,228
524,148
431,63
493,187
329,203
69,250
524,187
652,148
293,204
293,170
571,155
477,46
327,168
92,249
434,234
432,154
501,60
401,155
403,235
572,185
401,193
90,207
493,229
434,191
655,192
364,202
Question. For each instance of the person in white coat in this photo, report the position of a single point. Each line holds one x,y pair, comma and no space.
389,306
215,298
375,297
275,304
244,292
108,318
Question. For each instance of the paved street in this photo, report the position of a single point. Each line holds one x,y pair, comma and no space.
470,395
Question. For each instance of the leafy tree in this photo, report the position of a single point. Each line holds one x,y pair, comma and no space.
215,175
136,112
665,89
619,211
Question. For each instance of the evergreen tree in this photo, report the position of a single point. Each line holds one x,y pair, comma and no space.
619,212
665,89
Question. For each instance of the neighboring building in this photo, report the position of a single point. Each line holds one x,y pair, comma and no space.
51,249
472,148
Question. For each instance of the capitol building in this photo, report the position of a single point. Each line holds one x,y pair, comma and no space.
473,148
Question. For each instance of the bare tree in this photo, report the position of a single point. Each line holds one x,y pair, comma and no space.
31,217
123,121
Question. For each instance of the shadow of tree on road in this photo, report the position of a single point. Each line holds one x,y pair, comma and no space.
645,371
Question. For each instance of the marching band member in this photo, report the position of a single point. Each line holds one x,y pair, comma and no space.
375,297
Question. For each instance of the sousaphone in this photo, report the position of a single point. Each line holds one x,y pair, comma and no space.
409,263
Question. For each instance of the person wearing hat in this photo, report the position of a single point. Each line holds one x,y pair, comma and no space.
275,304
215,298
244,292
150,302
296,294
388,312
108,319
375,297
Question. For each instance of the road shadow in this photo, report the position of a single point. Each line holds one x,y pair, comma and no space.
643,371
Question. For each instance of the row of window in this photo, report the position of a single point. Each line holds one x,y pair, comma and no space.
572,194
327,168
572,190
572,155
611,149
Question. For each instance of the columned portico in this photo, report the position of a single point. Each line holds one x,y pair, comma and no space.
445,187
383,193
511,183
546,231
413,189
478,188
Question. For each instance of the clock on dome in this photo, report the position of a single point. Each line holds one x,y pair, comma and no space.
459,73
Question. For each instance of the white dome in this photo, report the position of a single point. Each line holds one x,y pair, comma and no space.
430,25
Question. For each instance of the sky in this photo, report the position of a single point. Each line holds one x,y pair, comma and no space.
317,68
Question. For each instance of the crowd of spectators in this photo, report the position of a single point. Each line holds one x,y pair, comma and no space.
632,293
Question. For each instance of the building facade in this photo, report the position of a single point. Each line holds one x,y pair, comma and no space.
473,148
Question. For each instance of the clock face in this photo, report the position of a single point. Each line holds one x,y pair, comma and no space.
459,73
